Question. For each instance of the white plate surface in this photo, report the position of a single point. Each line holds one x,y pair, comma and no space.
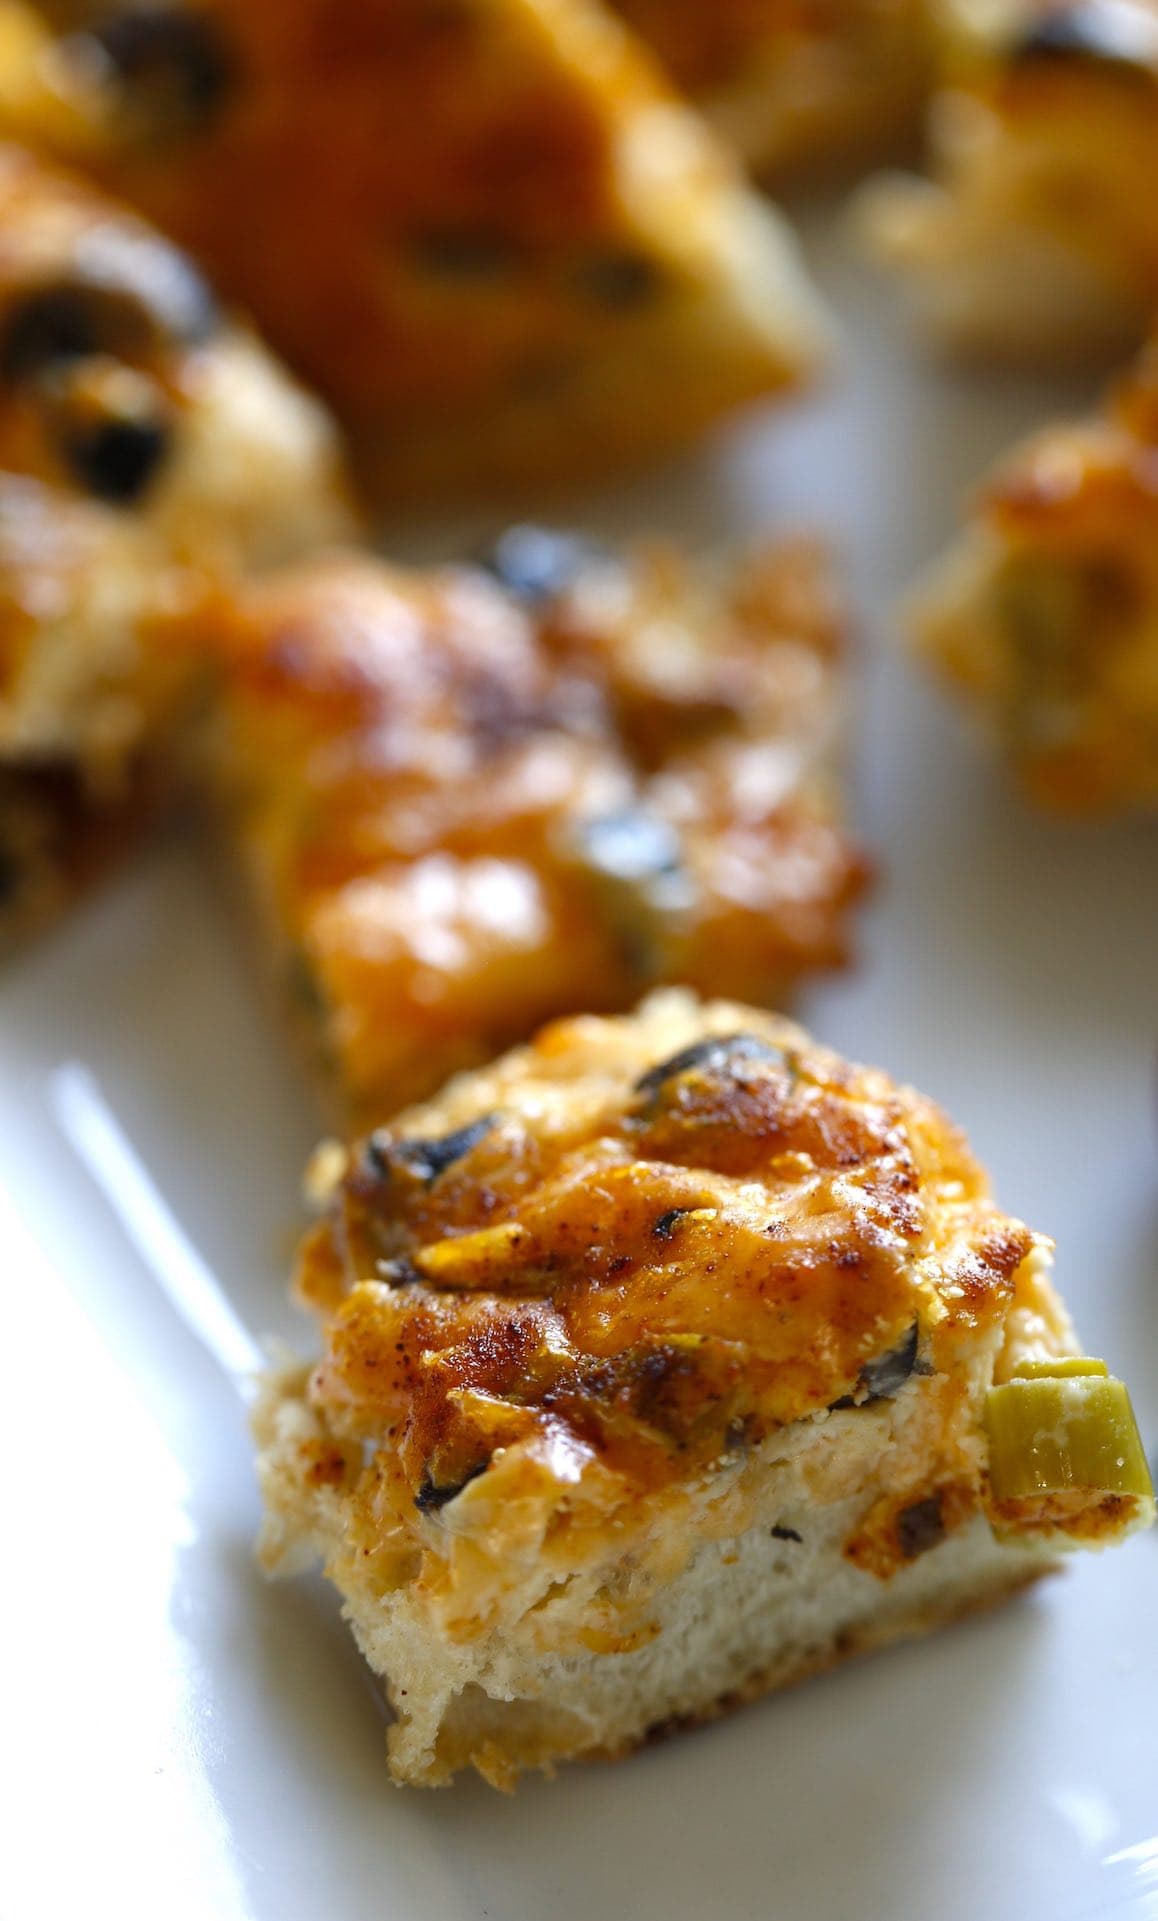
184,1740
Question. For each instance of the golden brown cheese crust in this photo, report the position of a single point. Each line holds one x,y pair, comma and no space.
646,1264
489,232
470,808
1046,615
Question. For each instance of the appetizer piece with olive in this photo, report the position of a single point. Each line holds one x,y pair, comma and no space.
666,1361
491,236
1038,228
1044,615
150,451
476,798
124,383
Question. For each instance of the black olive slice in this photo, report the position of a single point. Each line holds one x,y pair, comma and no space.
883,1376
717,1054
126,296
169,63
431,1495
116,459
427,1159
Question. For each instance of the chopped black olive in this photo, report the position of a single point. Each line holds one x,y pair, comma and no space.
715,1054
51,324
463,254
665,1227
169,63
1103,30
116,459
785,1533
882,1377
620,280
431,1496
536,564
127,298
920,1527
426,1159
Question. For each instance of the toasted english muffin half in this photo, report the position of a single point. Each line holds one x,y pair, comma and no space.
490,234
658,1369
469,800
1044,614
1036,231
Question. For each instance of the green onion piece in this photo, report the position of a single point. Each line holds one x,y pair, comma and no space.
1060,1367
1064,1433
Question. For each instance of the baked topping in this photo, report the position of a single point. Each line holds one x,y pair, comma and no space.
543,1268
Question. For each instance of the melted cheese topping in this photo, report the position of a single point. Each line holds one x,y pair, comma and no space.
467,813
640,1246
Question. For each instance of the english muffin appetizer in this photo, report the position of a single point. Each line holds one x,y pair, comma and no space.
489,234
148,447
666,1361
1039,229
827,84
472,801
122,381
1044,616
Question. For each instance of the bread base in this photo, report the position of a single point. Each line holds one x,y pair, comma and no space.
699,1614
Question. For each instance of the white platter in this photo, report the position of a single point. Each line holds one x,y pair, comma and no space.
183,1740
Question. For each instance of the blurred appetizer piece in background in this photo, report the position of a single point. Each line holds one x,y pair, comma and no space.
1045,613
487,232
148,447
667,1361
121,380
471,800
826,83
1038,229
99,630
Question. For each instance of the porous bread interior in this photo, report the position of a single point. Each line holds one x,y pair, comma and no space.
715,1607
